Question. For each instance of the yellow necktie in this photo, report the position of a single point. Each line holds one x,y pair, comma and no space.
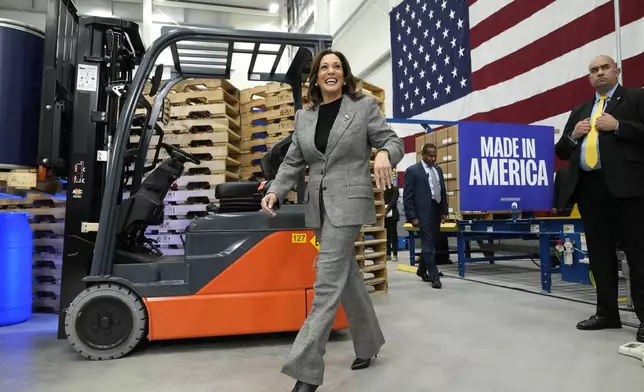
591,139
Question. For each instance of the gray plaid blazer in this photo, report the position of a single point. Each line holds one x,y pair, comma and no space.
342,175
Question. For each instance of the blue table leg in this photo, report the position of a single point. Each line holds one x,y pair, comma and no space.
460,246
412,248
546,270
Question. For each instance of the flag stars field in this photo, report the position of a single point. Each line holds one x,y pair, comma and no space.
445,74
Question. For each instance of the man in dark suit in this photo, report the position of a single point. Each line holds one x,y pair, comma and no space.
391,221
604,142
425,203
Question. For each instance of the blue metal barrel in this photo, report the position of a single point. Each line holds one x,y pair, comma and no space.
21,74
16,249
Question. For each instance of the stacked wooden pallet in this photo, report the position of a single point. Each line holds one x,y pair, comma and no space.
201,116
371,247
46,216
267,114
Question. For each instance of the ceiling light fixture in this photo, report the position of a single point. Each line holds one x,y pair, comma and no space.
274,7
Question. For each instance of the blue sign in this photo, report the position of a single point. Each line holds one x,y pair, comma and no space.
505,166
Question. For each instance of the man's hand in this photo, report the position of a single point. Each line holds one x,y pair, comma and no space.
415,223
267,204
581,129
382,170
606,123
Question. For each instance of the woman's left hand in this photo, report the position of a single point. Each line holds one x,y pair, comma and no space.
382,170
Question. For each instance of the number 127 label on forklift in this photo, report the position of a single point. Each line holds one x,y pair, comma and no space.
298,238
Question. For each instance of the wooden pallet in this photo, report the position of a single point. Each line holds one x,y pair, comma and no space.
277,128
196,97
268,102
206,84
196,139
251,158
269,116
220,151
19,178
251,171
202,125
203,111
185,211
249,94
261,144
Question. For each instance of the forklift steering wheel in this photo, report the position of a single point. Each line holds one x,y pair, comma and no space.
172,150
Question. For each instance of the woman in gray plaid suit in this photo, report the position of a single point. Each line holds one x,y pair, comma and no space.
334,137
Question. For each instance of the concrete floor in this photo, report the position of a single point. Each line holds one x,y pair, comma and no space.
466,337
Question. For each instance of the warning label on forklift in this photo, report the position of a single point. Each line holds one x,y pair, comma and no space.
298,238
87,77
314,241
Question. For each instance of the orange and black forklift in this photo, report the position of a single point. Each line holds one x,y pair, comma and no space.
241,272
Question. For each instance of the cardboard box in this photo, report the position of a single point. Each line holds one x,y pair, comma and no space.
430,138
447,154
451,185
453,202
420,142
440,136
452,170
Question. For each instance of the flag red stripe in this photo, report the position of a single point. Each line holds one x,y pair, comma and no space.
506,18
575,34
557,100
470,2
401,179
627,9
632,69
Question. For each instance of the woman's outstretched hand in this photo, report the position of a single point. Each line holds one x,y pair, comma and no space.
268,202
382,170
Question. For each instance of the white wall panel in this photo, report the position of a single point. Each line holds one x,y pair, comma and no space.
340,11
33,19
382,78
366,37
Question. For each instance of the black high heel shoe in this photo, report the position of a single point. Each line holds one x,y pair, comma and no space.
304,387
361,363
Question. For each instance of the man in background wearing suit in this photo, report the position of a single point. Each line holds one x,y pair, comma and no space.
425,203
391,221
604,142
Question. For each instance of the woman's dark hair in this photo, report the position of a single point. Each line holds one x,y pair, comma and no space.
315,94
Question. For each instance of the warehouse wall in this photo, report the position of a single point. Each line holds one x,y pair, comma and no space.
33,12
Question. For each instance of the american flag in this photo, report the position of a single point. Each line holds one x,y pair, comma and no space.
512,61
430,55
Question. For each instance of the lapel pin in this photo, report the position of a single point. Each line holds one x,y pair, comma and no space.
346,116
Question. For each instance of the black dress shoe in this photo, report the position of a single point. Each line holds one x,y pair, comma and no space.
595,323
304,387
361,363
437,284
423,276
640,333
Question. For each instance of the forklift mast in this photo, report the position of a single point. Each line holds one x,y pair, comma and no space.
95,71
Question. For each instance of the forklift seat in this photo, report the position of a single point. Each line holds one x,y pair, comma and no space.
145,207
247,196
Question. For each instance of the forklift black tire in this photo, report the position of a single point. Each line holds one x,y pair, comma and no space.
106,321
